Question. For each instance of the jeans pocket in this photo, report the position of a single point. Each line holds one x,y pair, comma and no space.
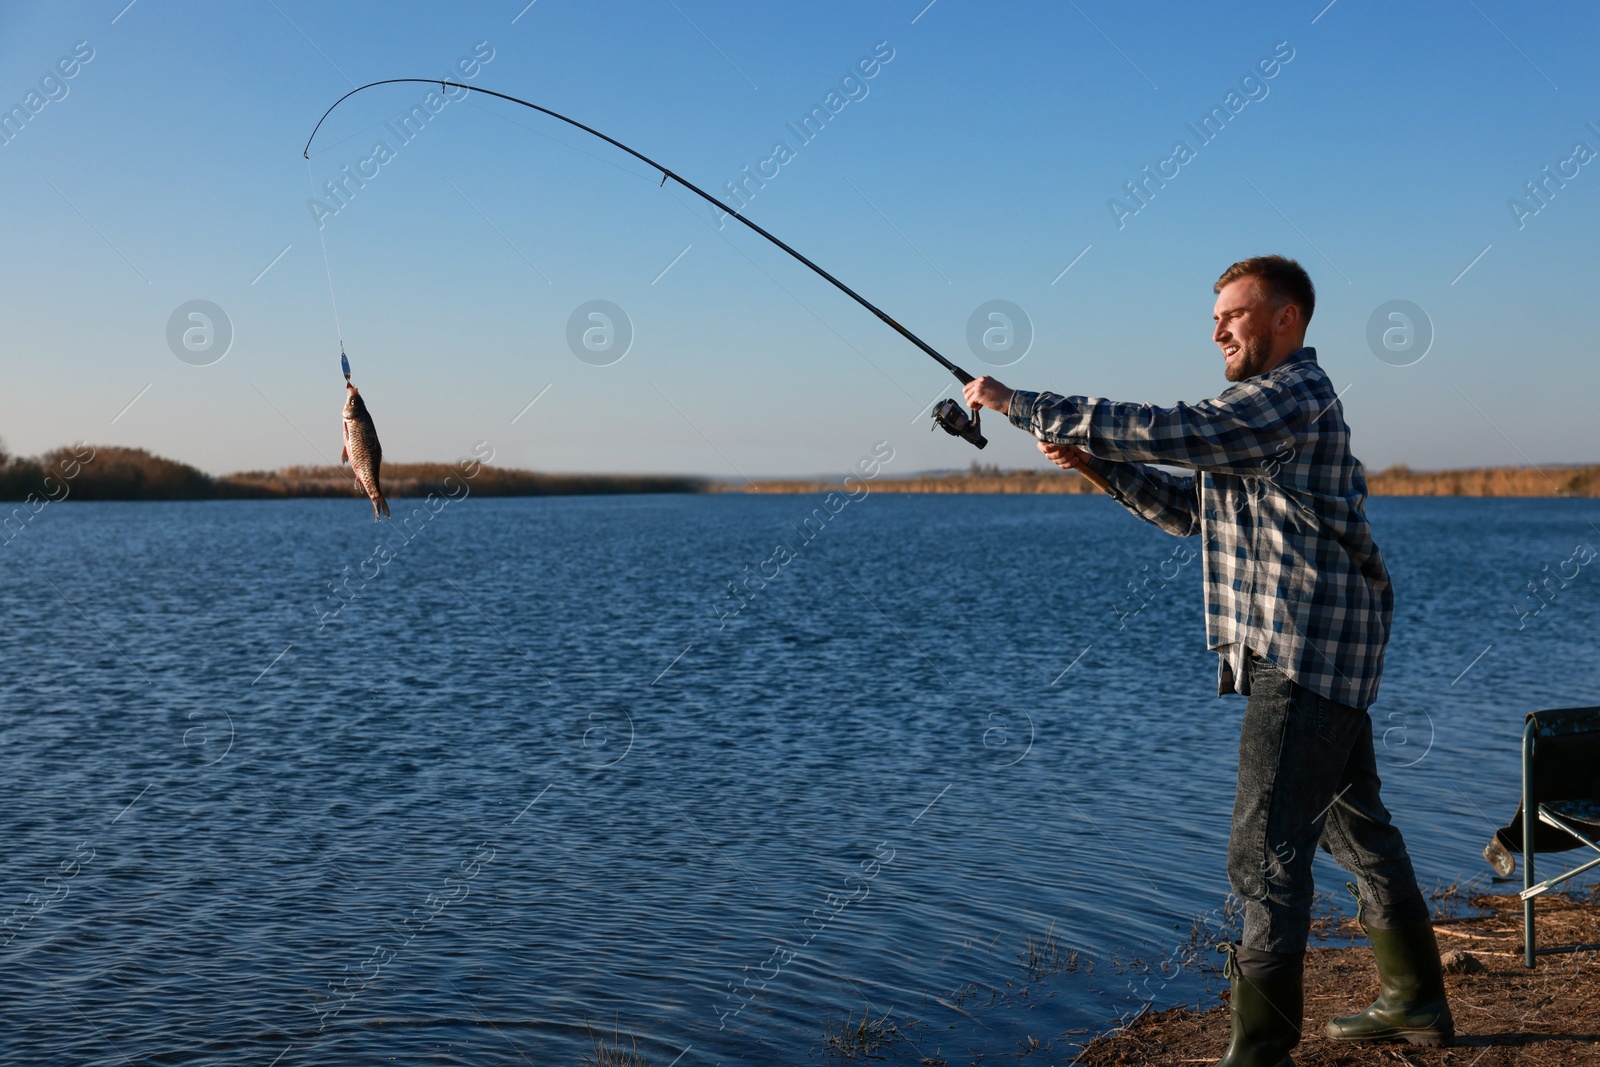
1330,722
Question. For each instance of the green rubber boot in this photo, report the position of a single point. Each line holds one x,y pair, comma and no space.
1411,1004
1264,1012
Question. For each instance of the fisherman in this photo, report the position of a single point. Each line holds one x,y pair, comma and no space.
1298,605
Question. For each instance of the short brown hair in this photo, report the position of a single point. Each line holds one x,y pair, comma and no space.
1284,280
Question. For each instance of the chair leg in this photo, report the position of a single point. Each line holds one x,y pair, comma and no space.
1527,883
1527,919
1530,819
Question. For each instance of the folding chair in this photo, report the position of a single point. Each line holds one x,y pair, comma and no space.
1561,787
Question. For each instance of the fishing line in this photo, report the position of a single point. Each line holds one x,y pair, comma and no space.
338,329
322,236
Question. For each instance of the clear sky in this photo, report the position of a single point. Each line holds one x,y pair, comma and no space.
978,162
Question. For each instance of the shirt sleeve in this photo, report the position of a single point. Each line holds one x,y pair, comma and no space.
1170,501
1232,434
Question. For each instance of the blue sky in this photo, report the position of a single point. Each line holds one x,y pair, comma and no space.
976,164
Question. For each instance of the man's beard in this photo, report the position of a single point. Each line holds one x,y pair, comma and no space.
1252,359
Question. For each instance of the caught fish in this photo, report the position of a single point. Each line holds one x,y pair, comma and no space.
362,450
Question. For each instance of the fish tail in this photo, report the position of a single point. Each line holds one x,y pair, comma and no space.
379,504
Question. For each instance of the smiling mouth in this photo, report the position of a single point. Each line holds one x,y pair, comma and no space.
1230,351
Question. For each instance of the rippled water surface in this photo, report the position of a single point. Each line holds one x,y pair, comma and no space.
530,771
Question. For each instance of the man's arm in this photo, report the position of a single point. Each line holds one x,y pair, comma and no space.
1169,501
1233,433
1250,422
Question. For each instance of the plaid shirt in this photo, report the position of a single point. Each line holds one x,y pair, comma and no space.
1291,570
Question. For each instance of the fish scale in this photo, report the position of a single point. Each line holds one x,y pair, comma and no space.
362,450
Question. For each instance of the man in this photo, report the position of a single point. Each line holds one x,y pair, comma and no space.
1298,604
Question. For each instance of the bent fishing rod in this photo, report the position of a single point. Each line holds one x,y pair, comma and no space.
947,414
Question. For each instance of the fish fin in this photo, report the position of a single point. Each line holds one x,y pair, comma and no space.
379,502
344,454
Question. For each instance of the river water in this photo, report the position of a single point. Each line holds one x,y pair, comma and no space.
533,768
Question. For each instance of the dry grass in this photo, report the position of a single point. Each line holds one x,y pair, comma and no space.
134,474
849,1038
1494,481
102,473
612,1053
1395,481
115,473
420,479
982,480
1042,957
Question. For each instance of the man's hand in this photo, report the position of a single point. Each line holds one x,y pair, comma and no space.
986,392
1064,456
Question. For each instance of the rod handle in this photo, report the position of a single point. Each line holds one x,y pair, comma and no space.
1095,478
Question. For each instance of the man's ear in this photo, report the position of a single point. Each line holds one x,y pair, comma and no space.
1288,318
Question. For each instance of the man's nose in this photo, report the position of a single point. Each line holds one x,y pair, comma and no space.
1218,333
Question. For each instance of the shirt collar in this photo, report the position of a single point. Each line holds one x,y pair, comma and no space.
1305,354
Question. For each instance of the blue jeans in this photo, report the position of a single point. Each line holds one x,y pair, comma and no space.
1307,777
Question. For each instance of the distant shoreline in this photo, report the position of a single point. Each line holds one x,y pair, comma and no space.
113,473
1581,481
87,472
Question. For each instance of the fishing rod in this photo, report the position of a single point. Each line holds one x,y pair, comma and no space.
947,414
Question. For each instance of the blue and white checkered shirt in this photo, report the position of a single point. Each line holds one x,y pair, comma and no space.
1291,570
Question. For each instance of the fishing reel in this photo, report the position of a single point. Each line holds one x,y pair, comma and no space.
957,423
